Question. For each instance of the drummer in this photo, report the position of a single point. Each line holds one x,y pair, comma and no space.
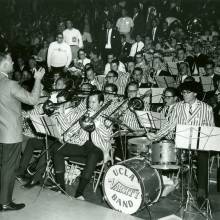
191,111
129,121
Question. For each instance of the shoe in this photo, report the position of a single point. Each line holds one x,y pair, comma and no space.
31,184
12,207
58,189
80,198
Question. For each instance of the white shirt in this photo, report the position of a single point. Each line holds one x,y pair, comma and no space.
136,47
125,24
108,44
73,37
121,68
59,54
153,33
84,61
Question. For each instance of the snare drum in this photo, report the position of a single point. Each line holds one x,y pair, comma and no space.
138,145
130,184
163,155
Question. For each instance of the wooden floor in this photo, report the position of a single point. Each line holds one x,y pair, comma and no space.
49,205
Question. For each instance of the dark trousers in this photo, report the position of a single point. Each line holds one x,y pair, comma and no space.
203,160
89,152
9,162
56,70
32,144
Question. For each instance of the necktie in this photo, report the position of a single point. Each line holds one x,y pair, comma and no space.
166,112
90,136
190,110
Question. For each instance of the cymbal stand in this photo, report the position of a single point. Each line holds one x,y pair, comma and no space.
190,202
206,204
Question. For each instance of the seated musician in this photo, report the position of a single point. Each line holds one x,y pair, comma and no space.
170,97
129,121
139,77
91,78
93,147
129,117
191,111
123,77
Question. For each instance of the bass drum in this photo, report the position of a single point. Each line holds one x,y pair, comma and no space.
129,185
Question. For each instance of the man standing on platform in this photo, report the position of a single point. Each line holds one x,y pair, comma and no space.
11,97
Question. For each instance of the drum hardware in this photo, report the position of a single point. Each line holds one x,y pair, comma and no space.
163,155
131,185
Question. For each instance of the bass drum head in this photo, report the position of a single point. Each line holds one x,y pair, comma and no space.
122,189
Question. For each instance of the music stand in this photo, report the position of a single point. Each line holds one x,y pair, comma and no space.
201,138
149,119
47,126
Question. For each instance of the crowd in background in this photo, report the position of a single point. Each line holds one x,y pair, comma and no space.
152,29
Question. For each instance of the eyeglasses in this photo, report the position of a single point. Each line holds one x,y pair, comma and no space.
167,97
132,90
186,92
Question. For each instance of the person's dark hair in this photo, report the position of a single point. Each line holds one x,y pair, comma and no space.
66,94
192,86
115,61
130,84
67,82
89,68
172,90
59,33
181,48
114,73
113,86
138,69
100,95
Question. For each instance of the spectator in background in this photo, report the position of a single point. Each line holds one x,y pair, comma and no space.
59,55
137,46
97,62
73,38
110,40
125,23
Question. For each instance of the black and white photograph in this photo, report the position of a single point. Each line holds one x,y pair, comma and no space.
109,109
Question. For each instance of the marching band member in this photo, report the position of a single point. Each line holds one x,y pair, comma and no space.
92,146
191,111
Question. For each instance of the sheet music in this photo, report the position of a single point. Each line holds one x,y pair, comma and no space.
150,119
173,68
45,125
203,138
207,83
156,96
165,81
